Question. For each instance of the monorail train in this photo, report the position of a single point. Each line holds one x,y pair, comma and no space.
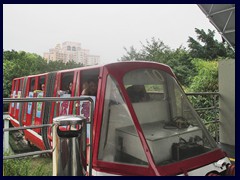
143,123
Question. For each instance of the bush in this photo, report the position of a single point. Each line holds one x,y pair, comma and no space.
29,166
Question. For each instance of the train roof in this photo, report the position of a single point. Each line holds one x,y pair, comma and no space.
116,66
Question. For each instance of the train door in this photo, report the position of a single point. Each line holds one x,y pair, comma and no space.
89,85
13,95
19,95
66,86
60,84
16,109
20,82
22,106
39,106
15,92
30,113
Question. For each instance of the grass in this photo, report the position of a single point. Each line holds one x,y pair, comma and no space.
29,166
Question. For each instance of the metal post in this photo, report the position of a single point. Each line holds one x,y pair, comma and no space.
6,136
215,120
69,146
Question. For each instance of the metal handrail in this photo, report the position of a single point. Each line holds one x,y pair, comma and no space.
26,127
214,108
27,154
49,99
202,93
207,108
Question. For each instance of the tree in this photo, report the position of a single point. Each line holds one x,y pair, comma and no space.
155,50
180,61
72,64
206,47
8,69
10,55
60,65
18,64
132,55
55,65
206,80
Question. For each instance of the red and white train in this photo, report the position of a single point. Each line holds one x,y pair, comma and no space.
143,122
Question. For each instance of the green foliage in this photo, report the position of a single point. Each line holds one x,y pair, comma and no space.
155,50
27,166
10,55
132,55
206,79
72,64
18,64
206,47
60,65
206,54
208,116
180,61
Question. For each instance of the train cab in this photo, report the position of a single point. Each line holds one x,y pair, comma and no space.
148,126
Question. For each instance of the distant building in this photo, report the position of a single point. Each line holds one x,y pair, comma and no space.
71,51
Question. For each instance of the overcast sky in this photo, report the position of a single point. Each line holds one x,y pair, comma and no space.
103,29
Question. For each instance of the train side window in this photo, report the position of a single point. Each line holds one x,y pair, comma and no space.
31,84
30,94
19,91
21,85
41,83
66,83
115,123
15,89
89,82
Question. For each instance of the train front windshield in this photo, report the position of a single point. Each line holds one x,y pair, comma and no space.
172,128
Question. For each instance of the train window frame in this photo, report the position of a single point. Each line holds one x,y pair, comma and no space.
114,103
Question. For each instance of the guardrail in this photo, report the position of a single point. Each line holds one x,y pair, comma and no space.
207,106
49,99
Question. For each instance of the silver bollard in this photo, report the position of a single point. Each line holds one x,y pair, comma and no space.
6,146
69,146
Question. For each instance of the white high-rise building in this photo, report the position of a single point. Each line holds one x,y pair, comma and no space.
71,51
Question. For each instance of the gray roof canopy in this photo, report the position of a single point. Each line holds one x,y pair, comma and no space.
222,16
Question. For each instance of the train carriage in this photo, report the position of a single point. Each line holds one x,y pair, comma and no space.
143,123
